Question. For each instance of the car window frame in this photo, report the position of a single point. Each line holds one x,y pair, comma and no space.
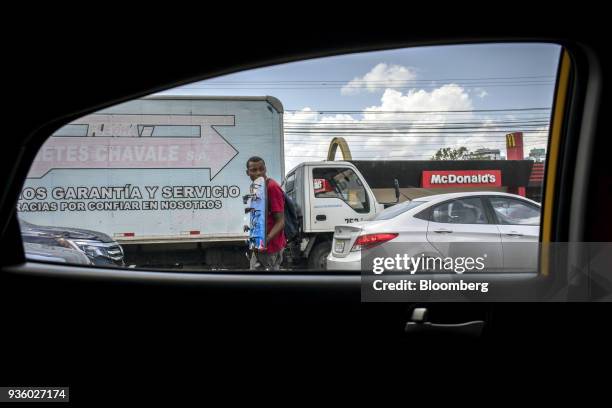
562,101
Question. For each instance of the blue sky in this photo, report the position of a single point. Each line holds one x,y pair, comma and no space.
440,78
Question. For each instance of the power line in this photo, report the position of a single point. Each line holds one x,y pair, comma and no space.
385,121
315,129
470,114
414,125
385,80
360,158
407,144
377,122
319,88
403,139
272,85
407,136
430,147
418,111
404,156
417,134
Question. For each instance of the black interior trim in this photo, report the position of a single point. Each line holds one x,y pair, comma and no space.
92,332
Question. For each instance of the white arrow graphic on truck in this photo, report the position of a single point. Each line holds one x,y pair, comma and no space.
119,141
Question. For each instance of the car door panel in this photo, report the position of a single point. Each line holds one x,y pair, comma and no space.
520,247
519,241
454,239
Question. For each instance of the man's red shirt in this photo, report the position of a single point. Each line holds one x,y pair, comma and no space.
276,203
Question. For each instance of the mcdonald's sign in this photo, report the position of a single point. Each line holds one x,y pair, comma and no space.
514,139
514,146
510,141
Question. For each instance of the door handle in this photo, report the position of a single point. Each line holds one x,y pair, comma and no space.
321,217
468,329
514,234
420,325
443,231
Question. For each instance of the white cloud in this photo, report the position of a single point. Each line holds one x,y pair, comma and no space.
305,115
382,76
416,138
451,97
481,93
446,98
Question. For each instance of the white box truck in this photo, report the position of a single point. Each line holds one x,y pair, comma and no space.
165,175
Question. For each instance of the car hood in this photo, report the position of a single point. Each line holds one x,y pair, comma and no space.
67,232
55,254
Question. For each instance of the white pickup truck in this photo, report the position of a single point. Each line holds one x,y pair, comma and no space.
328,193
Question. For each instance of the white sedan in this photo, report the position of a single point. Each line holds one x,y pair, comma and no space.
503,226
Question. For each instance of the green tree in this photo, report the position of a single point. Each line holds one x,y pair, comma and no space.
448,153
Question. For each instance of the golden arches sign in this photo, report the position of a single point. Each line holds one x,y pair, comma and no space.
333,146
510,141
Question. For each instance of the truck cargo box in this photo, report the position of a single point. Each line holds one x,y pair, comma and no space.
158,169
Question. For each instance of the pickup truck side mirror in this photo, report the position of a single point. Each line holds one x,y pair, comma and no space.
397,190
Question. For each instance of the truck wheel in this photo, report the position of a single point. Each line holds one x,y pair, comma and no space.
318,256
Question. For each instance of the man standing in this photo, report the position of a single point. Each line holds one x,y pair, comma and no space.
272,256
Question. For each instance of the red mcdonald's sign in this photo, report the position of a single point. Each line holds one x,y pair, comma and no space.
461,178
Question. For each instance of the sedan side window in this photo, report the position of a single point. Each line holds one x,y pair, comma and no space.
514,212
464,211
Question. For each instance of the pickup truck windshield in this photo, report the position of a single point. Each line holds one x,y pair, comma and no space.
343,184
